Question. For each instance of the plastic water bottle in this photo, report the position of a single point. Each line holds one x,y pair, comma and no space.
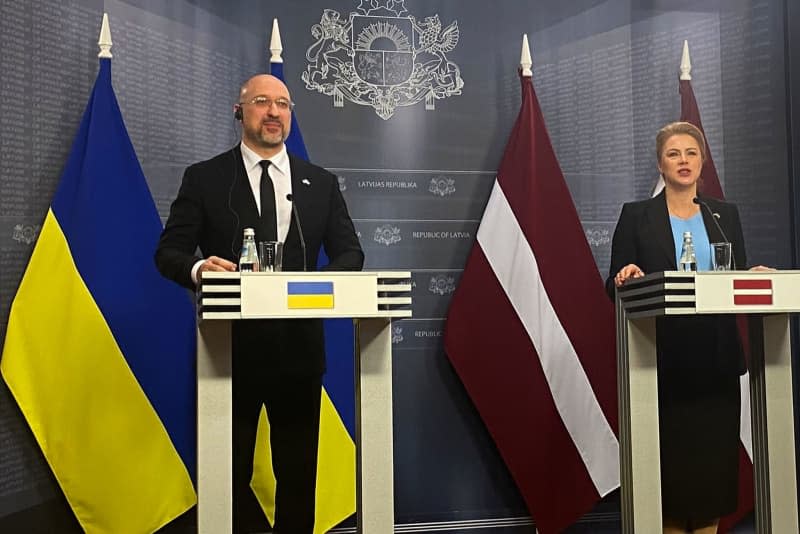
248,259
688,259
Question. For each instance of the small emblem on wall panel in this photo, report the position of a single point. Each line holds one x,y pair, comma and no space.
26,233
442,284
386,234
442,186
597,237
397,334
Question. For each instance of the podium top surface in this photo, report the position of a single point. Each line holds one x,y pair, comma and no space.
720,292
295,295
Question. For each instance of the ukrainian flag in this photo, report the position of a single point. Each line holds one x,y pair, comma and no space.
309,295
336,462
99,351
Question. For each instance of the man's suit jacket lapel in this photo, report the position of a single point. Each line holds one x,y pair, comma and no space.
659,227
303,202
302,191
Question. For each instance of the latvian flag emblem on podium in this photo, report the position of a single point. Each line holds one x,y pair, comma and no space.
752,292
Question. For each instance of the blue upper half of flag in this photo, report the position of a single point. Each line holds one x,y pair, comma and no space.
339,379
108,216
309,288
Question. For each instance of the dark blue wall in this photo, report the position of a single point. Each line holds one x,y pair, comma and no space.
605,71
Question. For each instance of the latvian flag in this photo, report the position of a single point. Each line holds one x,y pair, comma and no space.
752,292
530,332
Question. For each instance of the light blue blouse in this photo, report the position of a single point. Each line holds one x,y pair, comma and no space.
702,246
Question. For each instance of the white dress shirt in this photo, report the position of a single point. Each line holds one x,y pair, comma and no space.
281,175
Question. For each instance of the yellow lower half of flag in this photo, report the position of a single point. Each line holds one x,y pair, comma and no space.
336,470
310,302
101,436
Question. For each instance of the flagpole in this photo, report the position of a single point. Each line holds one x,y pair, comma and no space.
275,46
104,41
686,75
686,63
525,62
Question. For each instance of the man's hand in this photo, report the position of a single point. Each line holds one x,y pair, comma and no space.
214,263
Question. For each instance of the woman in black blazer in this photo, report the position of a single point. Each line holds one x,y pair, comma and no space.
700,359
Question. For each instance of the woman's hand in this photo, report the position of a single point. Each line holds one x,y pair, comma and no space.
629,271
761,269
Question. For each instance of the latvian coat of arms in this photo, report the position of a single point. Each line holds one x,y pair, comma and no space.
380,56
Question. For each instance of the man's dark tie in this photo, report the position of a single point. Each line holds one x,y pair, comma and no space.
268,203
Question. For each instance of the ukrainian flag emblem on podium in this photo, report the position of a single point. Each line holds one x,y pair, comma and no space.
309,295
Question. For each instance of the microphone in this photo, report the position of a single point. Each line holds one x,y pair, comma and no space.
290,198
714,217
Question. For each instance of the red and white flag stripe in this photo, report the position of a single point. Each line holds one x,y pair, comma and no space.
752,292
514,264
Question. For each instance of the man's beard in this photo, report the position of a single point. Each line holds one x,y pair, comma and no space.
271,140
267,139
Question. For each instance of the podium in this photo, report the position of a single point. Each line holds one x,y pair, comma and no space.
769,298
372,300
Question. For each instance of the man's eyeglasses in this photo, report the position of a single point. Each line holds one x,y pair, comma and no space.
264,102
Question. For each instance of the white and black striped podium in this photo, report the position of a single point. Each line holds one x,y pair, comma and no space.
769,298
372,300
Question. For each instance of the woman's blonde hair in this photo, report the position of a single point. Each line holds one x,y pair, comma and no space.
678,128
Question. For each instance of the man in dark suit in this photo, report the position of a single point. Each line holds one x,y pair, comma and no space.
278,363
